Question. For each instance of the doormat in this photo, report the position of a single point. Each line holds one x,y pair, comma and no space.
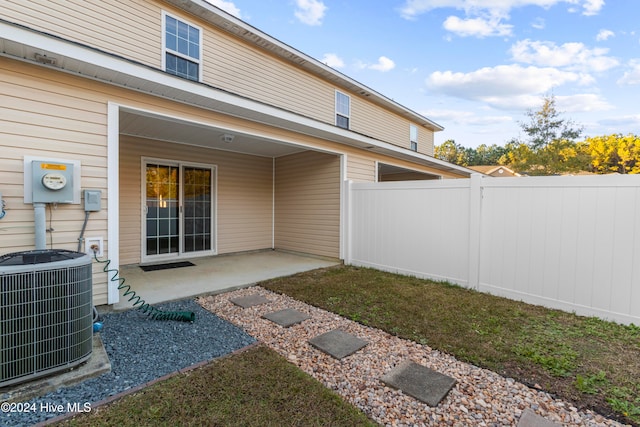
167,266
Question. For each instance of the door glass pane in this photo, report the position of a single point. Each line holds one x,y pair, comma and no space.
197,209
162,183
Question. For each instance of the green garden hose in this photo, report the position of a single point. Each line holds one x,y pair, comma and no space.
139,303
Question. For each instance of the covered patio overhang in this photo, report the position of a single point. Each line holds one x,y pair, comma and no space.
50,52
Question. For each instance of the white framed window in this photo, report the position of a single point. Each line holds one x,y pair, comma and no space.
343,110
413,137
182,48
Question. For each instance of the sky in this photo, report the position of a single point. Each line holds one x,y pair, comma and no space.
475,67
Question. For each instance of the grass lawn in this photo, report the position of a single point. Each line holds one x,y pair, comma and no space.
591,363
256,387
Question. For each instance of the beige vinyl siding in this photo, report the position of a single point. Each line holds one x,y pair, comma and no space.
46,118
425,141
370,120
235,66
133,29
244,194
307,204
361,168
129,28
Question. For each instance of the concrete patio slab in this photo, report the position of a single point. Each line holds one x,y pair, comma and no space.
419,382
214,274
287,317
337,343
250,300
531,419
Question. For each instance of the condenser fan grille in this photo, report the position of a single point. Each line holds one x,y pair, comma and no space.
46,316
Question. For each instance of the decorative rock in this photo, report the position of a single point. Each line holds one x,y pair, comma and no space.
355,377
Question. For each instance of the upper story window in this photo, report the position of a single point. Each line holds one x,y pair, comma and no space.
413,137
343,110
182,48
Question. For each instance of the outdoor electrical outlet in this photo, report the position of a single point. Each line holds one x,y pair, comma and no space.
91,243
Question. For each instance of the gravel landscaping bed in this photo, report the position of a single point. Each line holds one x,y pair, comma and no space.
480,397
140,350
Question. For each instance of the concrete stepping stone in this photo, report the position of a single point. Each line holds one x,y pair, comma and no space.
419,382
337,343
531,419
287,317
249,300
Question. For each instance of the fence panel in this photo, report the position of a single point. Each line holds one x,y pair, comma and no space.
418,228
571,243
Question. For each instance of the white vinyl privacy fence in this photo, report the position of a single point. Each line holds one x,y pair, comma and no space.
571,243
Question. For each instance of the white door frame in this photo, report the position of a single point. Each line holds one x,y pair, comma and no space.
182,253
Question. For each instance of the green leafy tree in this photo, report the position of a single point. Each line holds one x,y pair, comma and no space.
546,125
561,156
550,147
485,155
451,152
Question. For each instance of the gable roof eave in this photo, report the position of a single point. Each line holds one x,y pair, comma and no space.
237,27
22,43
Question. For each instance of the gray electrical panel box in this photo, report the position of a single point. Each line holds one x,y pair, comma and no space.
52,182
92,200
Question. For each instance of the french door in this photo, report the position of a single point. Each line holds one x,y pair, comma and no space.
178,210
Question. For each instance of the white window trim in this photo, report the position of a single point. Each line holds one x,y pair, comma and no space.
413,142
348,116
173,52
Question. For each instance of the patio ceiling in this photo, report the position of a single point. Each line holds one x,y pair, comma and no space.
183,132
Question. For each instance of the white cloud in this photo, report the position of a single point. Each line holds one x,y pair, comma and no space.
505,86
538,24
572,56
412,8
632,76
604,35
629,120
592,7
332,60
478,27
584,102
503,80
513,88
310,12
227,6
384,64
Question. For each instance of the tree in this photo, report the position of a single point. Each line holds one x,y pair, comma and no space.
485,155
465,156
545,125
550,148
451,152
615,153
518,156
